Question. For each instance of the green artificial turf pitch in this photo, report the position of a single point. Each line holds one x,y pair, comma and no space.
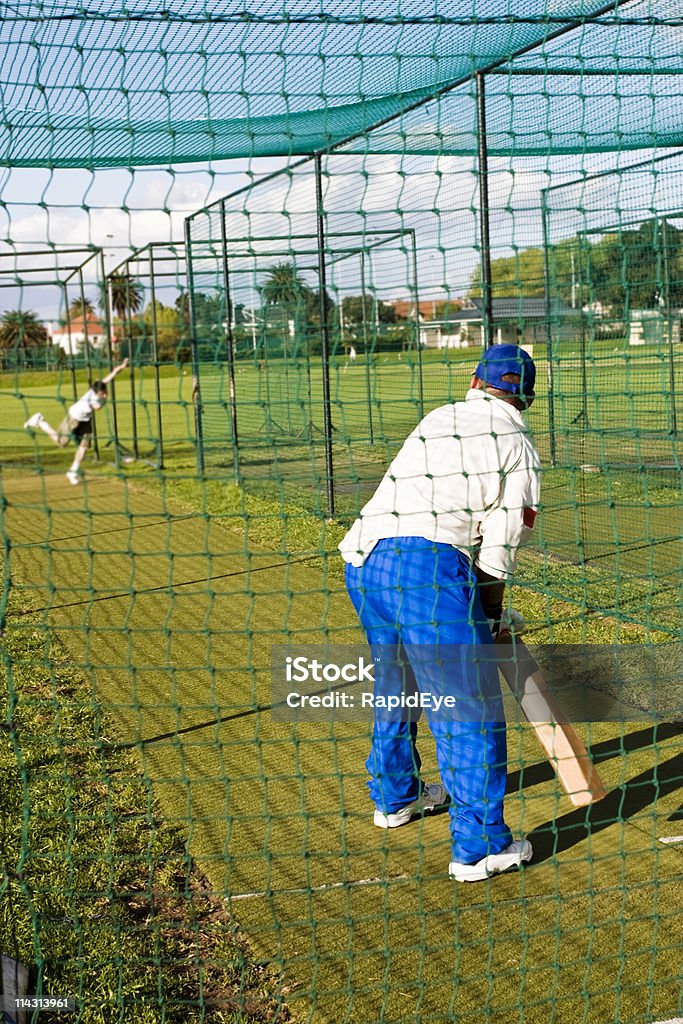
171,615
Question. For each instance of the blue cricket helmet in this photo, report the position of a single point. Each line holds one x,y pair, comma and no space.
498,360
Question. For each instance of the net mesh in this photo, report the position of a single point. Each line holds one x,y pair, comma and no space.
275,218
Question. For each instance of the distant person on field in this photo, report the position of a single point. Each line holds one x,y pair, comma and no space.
77,424
352,354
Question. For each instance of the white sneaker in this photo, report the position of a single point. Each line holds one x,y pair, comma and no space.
73,477
432,798
518,852
33,421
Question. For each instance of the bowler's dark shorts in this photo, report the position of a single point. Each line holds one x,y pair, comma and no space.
78,431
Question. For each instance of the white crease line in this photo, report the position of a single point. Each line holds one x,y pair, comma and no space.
670,839
674,1020
318,888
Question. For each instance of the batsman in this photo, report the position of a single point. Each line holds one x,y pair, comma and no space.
427,562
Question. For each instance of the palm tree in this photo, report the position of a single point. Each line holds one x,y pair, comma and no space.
81,308
283,286
127,296
21,329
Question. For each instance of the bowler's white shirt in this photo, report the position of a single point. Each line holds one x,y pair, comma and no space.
468,476
83,409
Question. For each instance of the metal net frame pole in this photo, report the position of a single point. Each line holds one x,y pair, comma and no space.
548,329
666,288
155,356
416,297
128,318
109,327
88,361
324,334
366,352
230,343
72,364
196,385
484,218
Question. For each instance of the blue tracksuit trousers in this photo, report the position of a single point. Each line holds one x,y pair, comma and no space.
419,605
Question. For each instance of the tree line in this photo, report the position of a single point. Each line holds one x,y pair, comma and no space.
635,268
288,319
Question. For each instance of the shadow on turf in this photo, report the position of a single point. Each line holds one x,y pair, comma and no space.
542,771
562,833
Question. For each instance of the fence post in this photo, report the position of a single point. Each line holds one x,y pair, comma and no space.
109,327
196,390
548,329
324,334
368,386
230,341
416,296
484,227
155,354
88,362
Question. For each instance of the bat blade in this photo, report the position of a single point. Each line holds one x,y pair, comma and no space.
562,744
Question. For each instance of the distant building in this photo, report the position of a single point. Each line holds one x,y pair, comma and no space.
518,321
653,327
429,309
72,336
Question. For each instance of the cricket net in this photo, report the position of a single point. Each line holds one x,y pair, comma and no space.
300,225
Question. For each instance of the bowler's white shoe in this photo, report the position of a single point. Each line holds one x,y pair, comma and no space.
33,421
433,797
73,477
517,853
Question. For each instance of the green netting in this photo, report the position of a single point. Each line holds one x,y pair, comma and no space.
119,87
174,845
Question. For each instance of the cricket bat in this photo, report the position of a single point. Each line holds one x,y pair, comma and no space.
563,746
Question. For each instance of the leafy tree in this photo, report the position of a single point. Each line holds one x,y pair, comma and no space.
21,329
168,329
359,309
208,313
521,274
639,268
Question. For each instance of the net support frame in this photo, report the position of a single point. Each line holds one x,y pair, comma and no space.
324,334
196,387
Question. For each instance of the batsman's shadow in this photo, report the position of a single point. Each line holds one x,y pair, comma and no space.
663,778
542,771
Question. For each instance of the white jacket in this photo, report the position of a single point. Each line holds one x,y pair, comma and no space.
468,476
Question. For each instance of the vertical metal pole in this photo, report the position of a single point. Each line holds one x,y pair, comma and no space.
416,296
198,425
230,339
368,387
666,284
155,353
109,327
583,415
548,329
88,362
131,364
484,227
324,334
72,363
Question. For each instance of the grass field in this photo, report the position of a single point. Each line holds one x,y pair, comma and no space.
168,609
99,896
611,504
